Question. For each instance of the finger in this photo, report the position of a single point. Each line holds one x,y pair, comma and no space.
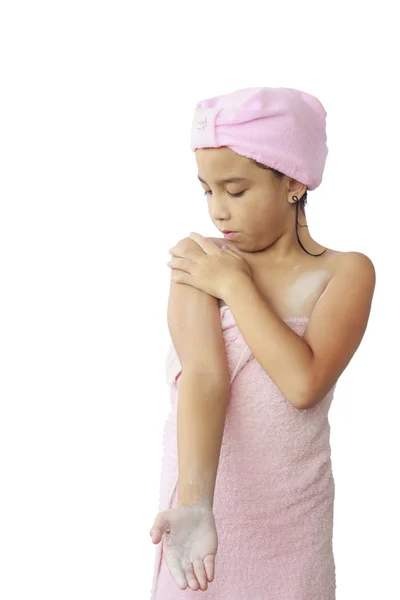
209,565
227,250
190,255
232,248
179,263
155,535
179,277
161,525
200,572
191,578
207,245
176,570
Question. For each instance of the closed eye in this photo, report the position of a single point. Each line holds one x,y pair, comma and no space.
234,195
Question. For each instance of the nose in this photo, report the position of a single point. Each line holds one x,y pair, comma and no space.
218,209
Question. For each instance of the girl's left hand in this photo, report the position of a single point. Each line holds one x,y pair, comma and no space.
214,272
190,544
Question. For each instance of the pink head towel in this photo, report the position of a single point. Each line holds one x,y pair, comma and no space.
282,128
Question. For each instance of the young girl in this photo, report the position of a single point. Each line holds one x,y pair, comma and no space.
247,491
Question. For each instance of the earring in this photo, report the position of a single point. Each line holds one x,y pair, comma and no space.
295,199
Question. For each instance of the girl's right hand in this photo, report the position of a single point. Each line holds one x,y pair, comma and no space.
190,544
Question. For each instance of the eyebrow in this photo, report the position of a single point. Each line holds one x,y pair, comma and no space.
229,180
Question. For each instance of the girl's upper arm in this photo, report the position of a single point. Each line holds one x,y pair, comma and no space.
338,321
195,327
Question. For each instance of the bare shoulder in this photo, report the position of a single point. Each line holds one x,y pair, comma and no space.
348,296
355,264
352,282
188,243
339,320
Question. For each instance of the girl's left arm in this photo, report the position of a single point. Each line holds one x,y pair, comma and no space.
305,368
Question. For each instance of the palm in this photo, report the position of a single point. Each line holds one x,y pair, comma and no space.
190,544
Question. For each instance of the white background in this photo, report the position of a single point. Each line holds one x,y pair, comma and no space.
97,183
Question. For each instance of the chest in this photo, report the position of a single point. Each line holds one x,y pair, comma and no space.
291,291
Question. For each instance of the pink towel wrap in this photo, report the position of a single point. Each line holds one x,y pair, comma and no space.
274,494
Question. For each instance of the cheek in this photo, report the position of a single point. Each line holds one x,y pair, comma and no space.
266,222
260,214
269,210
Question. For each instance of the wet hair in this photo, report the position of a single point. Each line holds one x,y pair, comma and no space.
300,204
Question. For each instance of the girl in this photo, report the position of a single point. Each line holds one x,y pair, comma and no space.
247,491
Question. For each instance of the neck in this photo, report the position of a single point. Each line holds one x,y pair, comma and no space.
287,247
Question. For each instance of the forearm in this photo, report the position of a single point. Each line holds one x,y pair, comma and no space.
283,354
202,405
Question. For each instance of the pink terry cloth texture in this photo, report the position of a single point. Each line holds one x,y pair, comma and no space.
282,128
274,493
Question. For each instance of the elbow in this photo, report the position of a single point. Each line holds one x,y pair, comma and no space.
308,402
306,398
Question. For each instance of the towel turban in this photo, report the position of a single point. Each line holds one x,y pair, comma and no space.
282,128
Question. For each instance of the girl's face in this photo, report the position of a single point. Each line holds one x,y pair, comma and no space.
256,205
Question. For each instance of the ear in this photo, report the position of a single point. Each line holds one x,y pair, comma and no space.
296,189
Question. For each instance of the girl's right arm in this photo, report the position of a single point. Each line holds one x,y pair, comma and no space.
195,329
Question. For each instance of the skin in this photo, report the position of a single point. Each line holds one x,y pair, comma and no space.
264,215
291,283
